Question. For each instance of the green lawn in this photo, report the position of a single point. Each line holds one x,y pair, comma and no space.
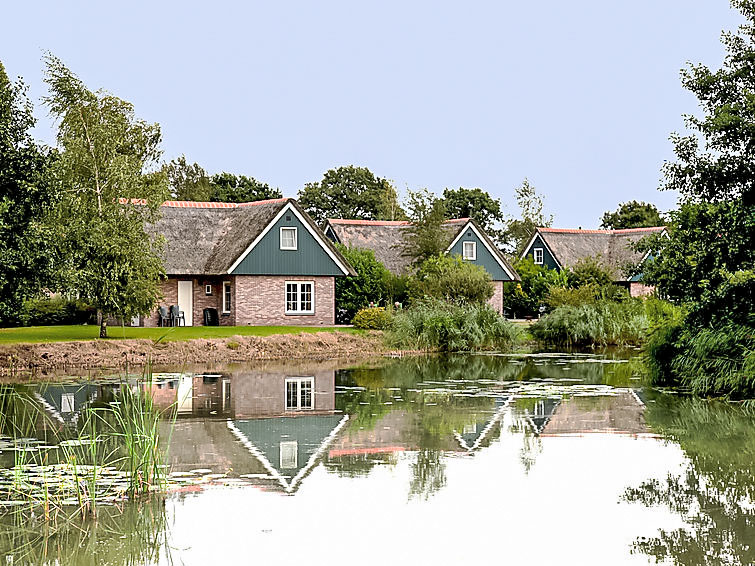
91,332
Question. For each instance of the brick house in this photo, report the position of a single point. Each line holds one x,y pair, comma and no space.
256,263
387,239
557,248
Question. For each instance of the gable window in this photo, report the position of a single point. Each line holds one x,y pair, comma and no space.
300,297
289,451
299,393
469,250
538,256
226,297
67,403
288,238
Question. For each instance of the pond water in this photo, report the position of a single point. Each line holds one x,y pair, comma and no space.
537,459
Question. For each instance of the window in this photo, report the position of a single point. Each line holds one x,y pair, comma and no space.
289,453
208,289
299,393
538,256
470,250
300,297
67,403
288,238
226,297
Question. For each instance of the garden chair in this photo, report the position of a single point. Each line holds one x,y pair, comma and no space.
176,316
164,316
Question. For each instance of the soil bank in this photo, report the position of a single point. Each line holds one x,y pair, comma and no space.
115,353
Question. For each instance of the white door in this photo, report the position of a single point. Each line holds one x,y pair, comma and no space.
186,300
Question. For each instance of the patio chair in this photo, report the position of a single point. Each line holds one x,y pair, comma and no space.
164,316
176,316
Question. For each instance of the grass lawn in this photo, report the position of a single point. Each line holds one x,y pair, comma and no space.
91,332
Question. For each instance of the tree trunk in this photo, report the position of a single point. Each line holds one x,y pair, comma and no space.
103,325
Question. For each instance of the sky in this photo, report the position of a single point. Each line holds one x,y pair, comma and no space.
579,97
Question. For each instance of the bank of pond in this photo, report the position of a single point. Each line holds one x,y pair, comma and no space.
131,468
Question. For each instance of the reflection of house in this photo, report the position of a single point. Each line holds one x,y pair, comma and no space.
194,395
622,413
479,428
538,414
64,402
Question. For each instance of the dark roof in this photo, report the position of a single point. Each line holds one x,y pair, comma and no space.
613,249
386,238
206,238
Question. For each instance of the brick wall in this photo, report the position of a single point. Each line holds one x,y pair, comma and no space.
203,301
640,289
496,301
261,299
169,291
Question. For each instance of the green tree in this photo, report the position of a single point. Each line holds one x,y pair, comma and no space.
632,214
451,279
369,286
426,236
525,298
351,192
28,196
188,181
519,231
106,158
227,187
476,204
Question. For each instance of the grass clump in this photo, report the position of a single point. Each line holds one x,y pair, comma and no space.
436,325
372,318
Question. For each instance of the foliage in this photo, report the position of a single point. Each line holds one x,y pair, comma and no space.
476,204
632,214
452,279
519,232
525,298
426,236
57,310
351,192
188,181
437,325
588,271
373,318
106,154
227,187
371,284
28,195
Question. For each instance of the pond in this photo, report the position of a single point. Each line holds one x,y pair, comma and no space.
541,459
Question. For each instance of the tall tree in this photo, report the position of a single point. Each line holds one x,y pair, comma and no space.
188,181
519,231
28,195
106,156
632,214
476,204
426,237
227,187
351,192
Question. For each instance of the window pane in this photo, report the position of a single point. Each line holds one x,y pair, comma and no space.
291,395
292,297
289,452
306,296
288,238
305,392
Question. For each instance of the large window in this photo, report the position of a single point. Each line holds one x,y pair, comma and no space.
300,297
470,250
299,393
288,238
538,255
226,297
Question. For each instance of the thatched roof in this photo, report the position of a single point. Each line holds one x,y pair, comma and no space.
206,238
613,249
385,237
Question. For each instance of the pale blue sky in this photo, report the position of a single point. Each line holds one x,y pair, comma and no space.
580,96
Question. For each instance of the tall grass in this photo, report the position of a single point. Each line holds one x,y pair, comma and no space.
436,325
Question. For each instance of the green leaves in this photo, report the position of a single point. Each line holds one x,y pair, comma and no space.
632,214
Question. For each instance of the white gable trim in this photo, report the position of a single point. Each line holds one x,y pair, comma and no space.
484,243
485,431
289,208
547,247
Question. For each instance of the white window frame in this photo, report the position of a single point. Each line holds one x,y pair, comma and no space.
535,254
298,297
208,290
299,381
68,403
226,306
296,238
291,448
465,255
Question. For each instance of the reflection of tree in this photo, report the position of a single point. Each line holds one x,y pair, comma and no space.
428,474
714,495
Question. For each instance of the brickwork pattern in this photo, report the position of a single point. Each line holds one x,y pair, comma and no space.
169,291
261,300
640,289
496,301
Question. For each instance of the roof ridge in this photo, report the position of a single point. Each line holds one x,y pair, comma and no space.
359,222
607,232
206,204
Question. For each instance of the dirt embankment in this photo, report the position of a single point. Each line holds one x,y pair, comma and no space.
122,353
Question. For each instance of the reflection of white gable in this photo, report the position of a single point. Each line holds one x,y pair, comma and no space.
470,429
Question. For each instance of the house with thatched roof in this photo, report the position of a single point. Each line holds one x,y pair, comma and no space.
388,240
557,248
255,263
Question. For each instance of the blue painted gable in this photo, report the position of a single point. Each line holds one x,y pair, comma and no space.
484,257
548,260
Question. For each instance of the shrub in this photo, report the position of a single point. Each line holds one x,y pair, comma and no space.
57,310
372,284
372,318
588,271
437,325
451,278
526,297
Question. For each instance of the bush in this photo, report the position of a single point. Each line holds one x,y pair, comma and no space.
450,327
373,283
56,311
588,271
372,318
451,278
526,297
